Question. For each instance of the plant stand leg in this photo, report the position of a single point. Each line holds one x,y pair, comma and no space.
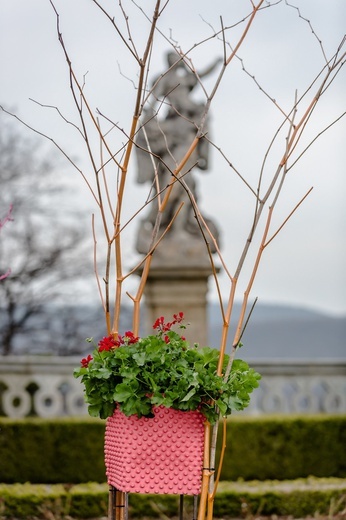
117,504
126,510
195,507
181,507
111,503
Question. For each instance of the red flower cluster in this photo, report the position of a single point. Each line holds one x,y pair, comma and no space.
165,327
129,338
109,342
85,361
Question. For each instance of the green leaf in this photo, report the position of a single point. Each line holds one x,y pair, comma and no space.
94,410
107,410
102,373
122,392
140,358
78,372
189,395
222,407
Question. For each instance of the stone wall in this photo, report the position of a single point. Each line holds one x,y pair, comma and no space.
45,386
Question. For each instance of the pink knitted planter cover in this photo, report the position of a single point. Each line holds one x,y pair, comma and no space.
159,455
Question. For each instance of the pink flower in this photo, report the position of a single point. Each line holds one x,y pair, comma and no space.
85,361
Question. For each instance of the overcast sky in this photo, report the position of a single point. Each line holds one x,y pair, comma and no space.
305,264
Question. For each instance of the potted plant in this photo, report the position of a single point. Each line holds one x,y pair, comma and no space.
149,387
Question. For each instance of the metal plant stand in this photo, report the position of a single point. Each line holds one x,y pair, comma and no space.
118,508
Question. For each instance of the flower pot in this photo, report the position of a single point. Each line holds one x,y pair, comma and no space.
162,455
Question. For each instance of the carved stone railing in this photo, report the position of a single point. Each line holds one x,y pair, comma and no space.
40,385
44,386
300,386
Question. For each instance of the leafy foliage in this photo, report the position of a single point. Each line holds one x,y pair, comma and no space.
162,369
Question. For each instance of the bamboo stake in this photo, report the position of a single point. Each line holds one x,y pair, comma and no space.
211,496
206,473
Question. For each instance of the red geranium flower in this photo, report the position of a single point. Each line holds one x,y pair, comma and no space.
159,322
108,342
165,327
178,318
85,361
130,338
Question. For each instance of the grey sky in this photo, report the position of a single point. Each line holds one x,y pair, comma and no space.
305,264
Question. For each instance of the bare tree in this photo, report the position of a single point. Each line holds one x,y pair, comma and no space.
43,246
3,221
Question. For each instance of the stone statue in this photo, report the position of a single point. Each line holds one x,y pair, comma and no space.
168,139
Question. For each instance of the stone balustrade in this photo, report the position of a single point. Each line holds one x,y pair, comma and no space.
300,386
40,385
44,386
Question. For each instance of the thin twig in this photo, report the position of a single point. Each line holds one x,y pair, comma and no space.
288,217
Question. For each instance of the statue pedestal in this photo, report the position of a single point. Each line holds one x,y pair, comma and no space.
178,281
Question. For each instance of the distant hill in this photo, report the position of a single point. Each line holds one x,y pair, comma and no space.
279,331
274,331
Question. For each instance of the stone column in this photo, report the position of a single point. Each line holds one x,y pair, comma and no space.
178,281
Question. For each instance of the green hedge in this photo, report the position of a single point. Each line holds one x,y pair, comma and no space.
286,447
71,450
51,450
298,498
234,499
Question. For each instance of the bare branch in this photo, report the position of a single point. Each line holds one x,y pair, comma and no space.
68,157
287,218
311,28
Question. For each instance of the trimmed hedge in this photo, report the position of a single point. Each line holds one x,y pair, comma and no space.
298,498
51,450
71,450
285,447
25,500
234,499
